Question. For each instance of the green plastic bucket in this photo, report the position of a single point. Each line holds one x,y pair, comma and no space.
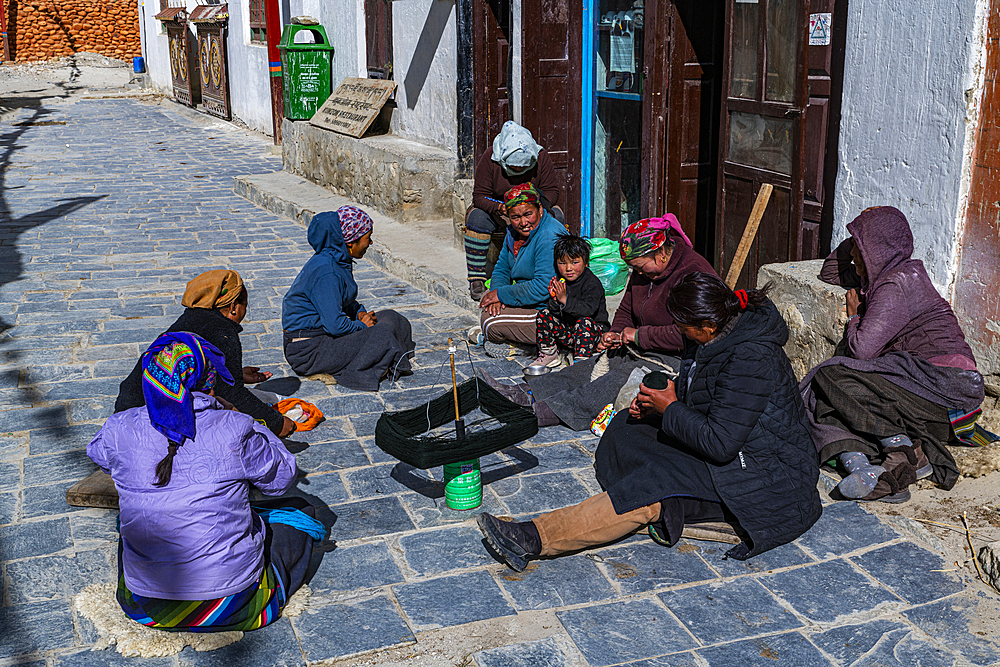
463,487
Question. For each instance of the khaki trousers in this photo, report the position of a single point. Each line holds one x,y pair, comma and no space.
589,524
514,324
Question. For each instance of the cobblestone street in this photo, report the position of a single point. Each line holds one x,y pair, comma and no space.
108,208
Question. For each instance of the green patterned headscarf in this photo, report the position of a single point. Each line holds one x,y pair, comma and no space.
525,193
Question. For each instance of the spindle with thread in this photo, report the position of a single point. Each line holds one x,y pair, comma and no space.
463,485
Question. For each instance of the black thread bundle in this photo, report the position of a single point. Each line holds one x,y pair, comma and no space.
404,434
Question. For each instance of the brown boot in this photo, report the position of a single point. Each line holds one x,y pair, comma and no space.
901,469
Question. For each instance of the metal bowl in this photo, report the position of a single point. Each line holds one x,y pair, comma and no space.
536,369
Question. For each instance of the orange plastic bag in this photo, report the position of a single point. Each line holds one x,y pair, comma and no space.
310,417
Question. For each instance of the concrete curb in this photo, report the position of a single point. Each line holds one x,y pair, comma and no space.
406,251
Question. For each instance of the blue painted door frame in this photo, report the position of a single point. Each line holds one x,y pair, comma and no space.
587,118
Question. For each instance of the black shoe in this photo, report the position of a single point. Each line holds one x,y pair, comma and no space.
513,543
477,288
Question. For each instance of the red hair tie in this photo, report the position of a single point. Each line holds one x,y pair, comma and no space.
741,294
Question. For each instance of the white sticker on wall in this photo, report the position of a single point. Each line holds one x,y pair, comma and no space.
819,29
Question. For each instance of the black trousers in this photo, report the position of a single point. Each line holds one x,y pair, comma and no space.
867,408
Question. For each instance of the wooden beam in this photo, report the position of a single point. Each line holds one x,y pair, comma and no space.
749,234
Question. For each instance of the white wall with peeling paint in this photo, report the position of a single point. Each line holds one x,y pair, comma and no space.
903,142
424,67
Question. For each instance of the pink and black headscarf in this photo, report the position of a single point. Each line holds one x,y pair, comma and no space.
354,223
646,235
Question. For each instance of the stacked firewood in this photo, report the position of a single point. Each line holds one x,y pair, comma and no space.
43,29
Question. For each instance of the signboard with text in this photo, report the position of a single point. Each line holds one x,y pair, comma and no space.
354,105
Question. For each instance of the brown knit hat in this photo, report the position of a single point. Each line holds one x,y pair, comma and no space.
213,289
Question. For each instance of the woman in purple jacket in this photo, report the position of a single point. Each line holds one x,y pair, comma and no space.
193,554
903,380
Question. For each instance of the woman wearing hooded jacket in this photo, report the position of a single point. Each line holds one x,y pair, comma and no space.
326,330
727,442
902,380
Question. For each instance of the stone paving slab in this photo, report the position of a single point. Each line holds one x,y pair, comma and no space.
96,245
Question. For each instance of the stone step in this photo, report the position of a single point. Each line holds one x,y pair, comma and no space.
403,179
423,253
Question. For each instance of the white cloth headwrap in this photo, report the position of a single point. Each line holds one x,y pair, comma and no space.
515,149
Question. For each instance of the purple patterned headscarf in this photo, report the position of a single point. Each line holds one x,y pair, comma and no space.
354,223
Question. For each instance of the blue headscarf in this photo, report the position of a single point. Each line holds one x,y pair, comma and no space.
175,365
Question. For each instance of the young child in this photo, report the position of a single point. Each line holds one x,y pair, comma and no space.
576,314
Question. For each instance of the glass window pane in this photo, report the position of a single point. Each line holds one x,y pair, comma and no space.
783,33
745,38
616,159
761,141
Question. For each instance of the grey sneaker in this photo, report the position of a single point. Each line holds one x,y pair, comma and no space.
550,360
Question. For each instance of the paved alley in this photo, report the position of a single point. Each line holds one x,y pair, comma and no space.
107,209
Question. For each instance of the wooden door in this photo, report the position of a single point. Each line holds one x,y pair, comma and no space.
978,279
825,83
491,71
378,38
551,96
214,70
684,43
761,133
183,64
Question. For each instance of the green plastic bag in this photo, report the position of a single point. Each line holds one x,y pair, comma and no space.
607,265
603,249
613,274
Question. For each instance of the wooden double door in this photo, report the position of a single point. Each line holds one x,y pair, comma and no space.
747,92
734,95
550,83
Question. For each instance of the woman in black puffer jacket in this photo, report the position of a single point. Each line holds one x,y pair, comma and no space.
727,442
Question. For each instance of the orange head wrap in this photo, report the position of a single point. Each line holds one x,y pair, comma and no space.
213,289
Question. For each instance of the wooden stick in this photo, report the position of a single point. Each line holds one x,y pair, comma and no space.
749,234
454,383
954,527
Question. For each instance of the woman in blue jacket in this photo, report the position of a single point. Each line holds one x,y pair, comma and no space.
520,282
326,330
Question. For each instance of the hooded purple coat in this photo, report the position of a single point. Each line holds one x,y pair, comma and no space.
907,332
196,538
902,309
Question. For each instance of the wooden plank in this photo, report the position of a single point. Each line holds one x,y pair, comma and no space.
711,532
354,105
748,234
97,490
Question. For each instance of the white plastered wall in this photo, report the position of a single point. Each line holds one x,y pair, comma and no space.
903,130
424,68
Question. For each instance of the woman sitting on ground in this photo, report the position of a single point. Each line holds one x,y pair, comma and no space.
727,442
216,302
326,329
520,283
642,334
903,376
514,159
193,554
